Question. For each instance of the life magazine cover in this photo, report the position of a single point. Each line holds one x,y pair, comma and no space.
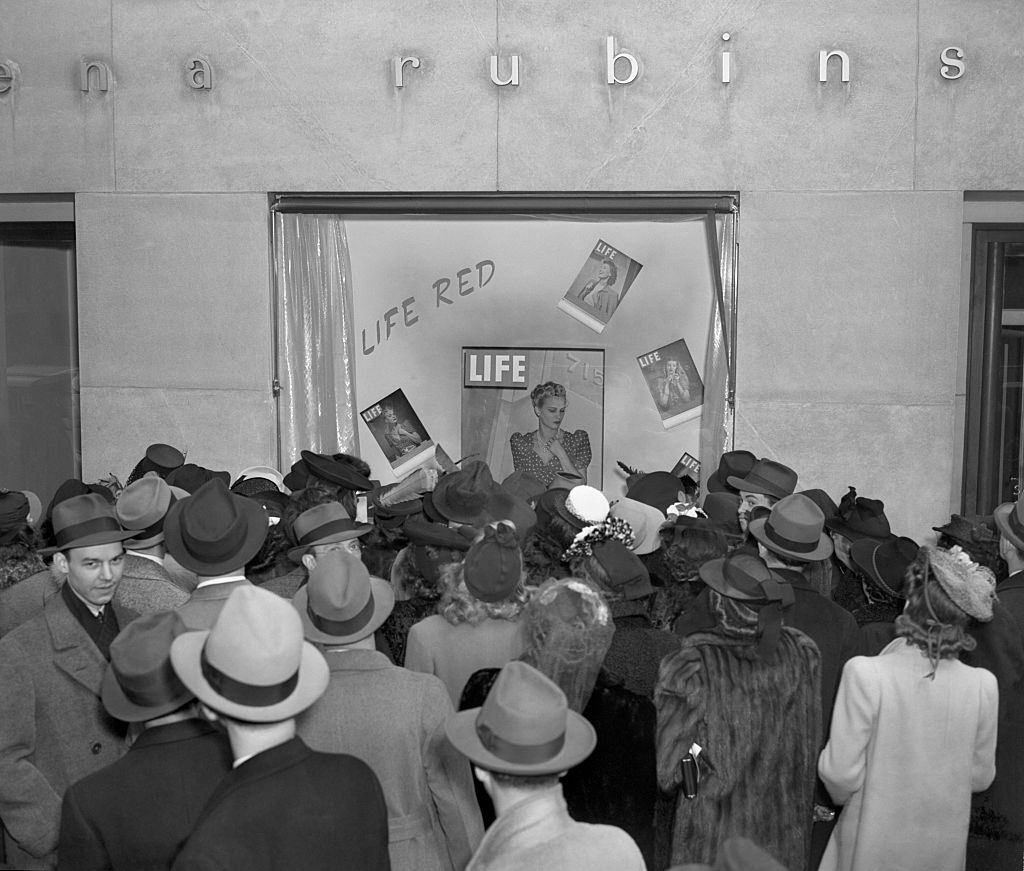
674,382
601,285
552,421
399,432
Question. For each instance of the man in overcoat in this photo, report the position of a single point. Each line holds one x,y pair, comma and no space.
391,718
54,730
137,812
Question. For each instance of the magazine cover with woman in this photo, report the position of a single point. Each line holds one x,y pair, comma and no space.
399,432
674,382
600,286
551,423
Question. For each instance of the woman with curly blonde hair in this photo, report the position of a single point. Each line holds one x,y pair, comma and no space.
477,621
914,729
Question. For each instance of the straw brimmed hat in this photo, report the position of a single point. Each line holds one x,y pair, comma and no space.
972,588
524,727
253,664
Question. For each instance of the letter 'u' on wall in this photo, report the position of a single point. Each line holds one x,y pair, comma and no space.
823,59
613,57
102,77
513,76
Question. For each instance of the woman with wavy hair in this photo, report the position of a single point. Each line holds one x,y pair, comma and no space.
550,449
914,729
477,621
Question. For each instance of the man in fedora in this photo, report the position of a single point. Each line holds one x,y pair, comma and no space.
146,586
54,730
521,741
764,485
391,718
789,538
214,533
282,805
137,812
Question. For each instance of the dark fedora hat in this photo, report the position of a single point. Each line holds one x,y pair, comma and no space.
1009,520
461,496
524,727
885,563
327,523
142,508
215,531
160,459
341,603
140,682
768,478
859,517
424,532
732,464
191,477
85,521
658,489
337,472
503,505
793,528
297,476
625,571
722,508
825,502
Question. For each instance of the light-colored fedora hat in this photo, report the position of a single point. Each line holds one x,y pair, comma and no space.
341,603
253,664
142,508
524,727
794,528
328,523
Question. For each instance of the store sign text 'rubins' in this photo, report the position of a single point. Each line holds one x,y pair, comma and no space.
622,67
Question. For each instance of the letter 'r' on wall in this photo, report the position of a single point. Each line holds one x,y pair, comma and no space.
199,74
613,57
825,56
400,63
102,77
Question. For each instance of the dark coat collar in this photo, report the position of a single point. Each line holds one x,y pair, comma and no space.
795,578
1014,582
170,733
264,764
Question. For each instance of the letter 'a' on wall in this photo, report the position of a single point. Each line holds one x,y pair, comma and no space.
632,312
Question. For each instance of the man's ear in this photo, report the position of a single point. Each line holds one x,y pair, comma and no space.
61,562
309,561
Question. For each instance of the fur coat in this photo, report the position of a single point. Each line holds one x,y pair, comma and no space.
758,725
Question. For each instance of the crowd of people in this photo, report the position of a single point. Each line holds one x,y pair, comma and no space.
311,670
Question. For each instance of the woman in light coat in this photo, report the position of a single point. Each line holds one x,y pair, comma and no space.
914,730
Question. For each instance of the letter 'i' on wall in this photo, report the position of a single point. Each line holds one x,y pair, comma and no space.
613,56
952,59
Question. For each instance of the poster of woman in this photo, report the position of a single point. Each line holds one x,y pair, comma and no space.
675,384
398,431
600,286
551,425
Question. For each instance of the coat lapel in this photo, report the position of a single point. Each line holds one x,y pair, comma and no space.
73,650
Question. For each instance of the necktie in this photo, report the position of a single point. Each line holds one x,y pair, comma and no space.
108,629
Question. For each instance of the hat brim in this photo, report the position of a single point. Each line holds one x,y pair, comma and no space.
837,524
564,514
335,472
715,485
93,540
441,505
713,575
757,485
823,550
862,553
257,525
580,740
383,604
143,543
186,652
118,705
1002,518
295,554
